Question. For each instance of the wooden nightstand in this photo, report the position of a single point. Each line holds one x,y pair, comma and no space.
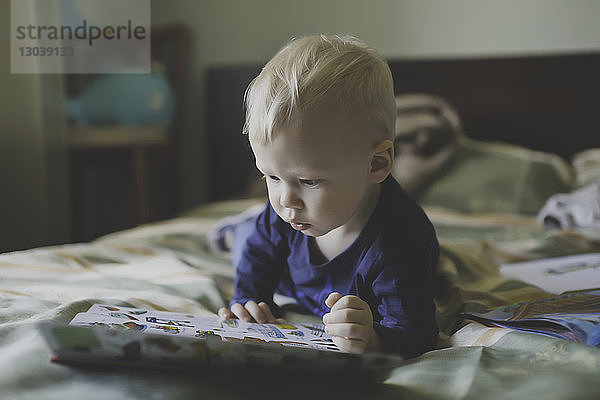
136,140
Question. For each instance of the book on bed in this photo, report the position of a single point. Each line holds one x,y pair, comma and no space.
108,335
572,316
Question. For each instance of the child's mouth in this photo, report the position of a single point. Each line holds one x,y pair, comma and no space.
299,226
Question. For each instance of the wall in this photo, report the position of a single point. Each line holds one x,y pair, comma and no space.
33,201
253,30
234,32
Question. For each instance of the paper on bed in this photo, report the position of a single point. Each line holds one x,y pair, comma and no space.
558,274
572,316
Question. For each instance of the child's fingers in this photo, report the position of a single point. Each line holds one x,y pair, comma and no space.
224,313
332,299
350,301
250,311
256,312
348,315
348,331
266,311
240,312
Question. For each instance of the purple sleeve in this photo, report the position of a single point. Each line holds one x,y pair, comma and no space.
262,260
407,324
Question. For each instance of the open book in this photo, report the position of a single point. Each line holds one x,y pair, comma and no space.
122,336
571,315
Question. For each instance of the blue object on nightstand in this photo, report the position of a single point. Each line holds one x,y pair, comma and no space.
124,99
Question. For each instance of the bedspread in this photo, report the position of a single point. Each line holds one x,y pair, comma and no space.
166,266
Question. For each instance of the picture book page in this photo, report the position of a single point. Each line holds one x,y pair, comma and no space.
187,325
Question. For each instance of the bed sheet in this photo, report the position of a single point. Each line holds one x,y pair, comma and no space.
166,266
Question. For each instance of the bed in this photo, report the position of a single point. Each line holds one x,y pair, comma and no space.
167,266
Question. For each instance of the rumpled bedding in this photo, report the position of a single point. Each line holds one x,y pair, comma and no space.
167,266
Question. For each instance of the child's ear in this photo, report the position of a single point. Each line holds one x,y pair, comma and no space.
382,161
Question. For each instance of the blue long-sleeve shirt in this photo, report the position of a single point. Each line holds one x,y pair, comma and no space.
390,265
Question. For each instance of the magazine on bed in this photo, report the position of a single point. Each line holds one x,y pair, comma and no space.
122,336
571,315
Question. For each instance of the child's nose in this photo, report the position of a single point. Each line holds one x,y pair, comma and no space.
289,199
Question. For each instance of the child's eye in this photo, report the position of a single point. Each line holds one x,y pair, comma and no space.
273,178
309,182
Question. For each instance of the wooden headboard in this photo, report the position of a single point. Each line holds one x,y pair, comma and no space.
546,103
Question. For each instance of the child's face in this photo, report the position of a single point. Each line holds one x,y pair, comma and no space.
317,174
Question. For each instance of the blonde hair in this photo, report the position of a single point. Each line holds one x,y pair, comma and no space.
312,70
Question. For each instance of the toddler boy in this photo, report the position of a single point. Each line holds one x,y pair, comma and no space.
338,234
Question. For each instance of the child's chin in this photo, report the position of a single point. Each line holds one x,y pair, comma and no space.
312,232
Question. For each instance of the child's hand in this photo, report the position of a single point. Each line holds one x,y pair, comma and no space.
249,312
350,322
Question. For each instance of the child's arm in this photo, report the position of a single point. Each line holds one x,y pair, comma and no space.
258,271
350,322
